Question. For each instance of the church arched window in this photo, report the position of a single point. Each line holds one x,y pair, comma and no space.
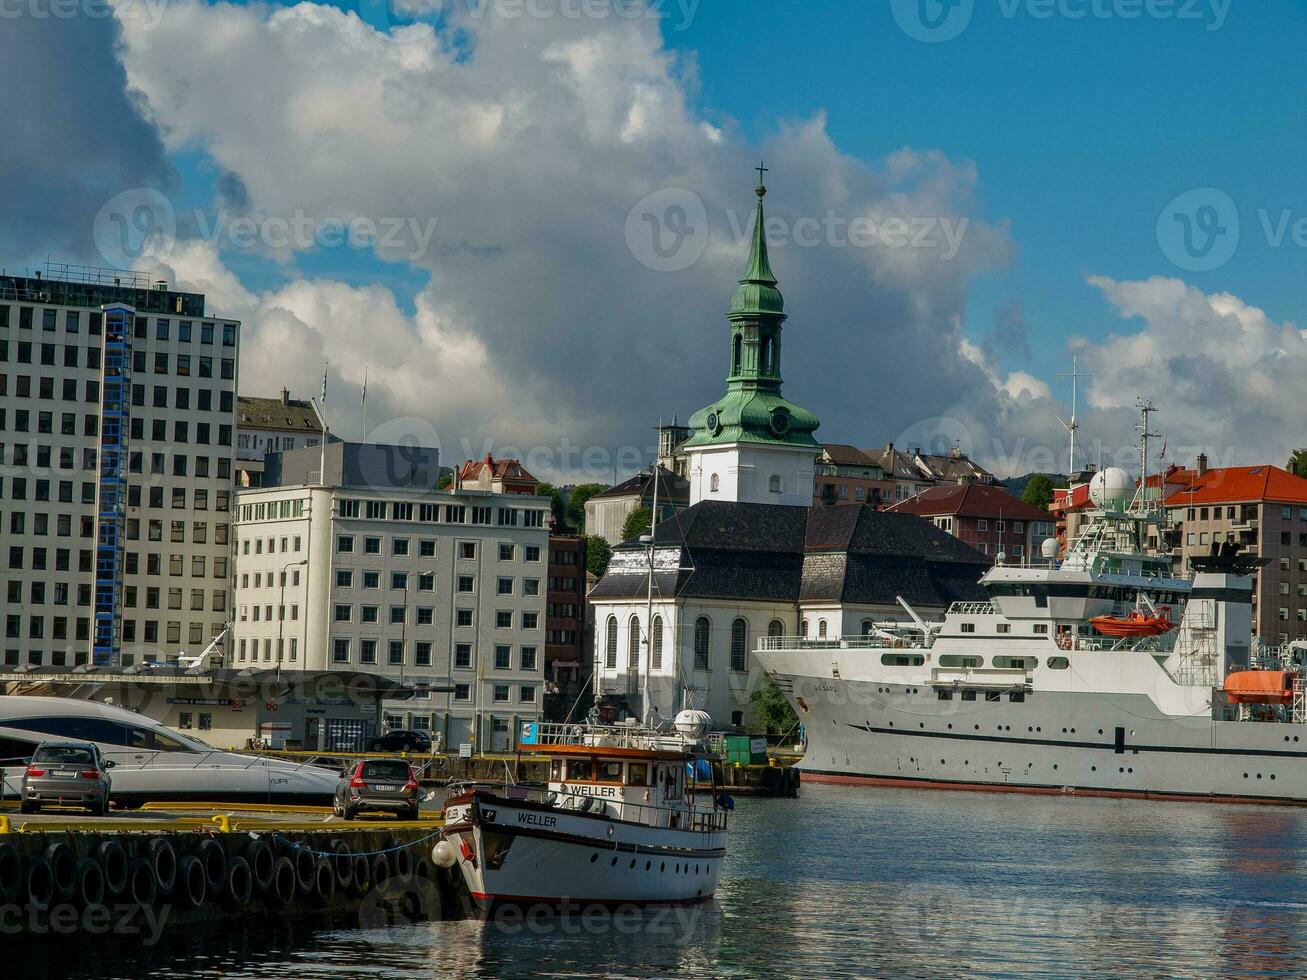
633,654
714,483
702,630
775,628
775,484
739,644
737,357
610,644
656,653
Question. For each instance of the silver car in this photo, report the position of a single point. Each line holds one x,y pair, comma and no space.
67,774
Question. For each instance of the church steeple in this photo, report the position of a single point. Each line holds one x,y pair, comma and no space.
752,444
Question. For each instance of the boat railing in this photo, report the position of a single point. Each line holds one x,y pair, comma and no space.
685,817
972,609
856,642
547,734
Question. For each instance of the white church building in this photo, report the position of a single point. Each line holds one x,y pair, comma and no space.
680,617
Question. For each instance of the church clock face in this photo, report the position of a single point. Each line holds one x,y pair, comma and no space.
780,421
714,423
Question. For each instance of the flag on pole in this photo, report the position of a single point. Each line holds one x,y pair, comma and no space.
324,381
364,399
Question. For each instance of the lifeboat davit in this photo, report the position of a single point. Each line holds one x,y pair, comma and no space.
1136,624
1259,687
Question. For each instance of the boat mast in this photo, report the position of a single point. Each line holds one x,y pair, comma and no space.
1146,408
646,702
1074,424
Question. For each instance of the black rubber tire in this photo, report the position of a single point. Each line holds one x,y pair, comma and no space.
103,809
38,883
89,892
402,859
324,882
282,891
192,886
214,858
163,859
362,874
239,888
348,812
376,747
63,866
11,873
306,870
406,747
142,887
422,868
261,860
113,864
342,864
412,813
380,869
29,806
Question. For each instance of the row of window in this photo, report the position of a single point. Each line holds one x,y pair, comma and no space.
94,319
344,612
151,597
132,566
702,644
37,558
146,631
67,460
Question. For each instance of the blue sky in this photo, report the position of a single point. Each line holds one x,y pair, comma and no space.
1082,130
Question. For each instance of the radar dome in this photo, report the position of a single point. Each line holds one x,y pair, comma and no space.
1111,489
1049,548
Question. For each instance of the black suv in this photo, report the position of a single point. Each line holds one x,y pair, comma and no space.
378,784
402,740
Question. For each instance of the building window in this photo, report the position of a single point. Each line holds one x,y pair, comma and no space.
610,644
702,633
633,641
774,484
501,692
656,645
775,628
714,484
739,644
463,655
340,652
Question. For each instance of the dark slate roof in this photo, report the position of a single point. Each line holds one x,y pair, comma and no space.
765,552
670,487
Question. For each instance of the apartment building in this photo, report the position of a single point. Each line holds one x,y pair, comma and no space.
566,666
117,400
271,425
986,517
375,569
1264,510
847,475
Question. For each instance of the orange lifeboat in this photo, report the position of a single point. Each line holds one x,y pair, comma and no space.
1136,624
1259,687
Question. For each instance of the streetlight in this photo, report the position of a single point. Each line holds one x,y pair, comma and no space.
281,609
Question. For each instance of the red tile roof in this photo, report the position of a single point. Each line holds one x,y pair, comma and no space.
971,500
502,469
1240,484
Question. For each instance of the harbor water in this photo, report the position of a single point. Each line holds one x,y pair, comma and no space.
846,882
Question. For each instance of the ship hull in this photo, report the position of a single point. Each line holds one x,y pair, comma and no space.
1088,743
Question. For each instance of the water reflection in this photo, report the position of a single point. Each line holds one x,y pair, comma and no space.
853,882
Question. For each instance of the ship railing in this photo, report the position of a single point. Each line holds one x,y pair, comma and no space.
855,642
548,734
972,609
687,816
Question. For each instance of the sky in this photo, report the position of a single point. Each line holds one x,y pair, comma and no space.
524,218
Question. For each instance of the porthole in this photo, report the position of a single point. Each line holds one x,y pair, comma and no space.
614,863
1054,765
594,858
662,865
632,864
1093,768
648,865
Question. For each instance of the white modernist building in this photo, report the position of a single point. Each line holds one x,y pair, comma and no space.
117,413
377,570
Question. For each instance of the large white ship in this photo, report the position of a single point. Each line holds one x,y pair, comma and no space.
1102,674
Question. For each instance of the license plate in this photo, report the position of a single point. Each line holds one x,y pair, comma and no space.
65,772
384,789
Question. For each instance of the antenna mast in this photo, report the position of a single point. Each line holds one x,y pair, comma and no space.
1074,424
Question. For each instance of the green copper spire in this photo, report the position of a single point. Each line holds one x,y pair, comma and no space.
753,410
757,292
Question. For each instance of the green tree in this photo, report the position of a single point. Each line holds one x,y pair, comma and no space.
637,523
772,710
576,502
555,496
445,481
1298,463
1039,491
597,555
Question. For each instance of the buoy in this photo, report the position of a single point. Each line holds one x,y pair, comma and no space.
443,854
192,886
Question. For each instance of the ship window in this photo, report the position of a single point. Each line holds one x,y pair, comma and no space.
608,772
1004,628
944,695
638,774
960,660
1058,663
1016,695
1041,629
1016,663
578,769
968,627
991,695
902,659
968,695
556,770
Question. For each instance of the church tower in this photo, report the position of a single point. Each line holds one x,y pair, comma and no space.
751,445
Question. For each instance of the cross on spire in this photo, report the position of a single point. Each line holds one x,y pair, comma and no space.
762,169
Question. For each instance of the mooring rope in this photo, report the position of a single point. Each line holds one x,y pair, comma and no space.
296,846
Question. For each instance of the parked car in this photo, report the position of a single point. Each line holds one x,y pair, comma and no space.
401,740
378,784
67,773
